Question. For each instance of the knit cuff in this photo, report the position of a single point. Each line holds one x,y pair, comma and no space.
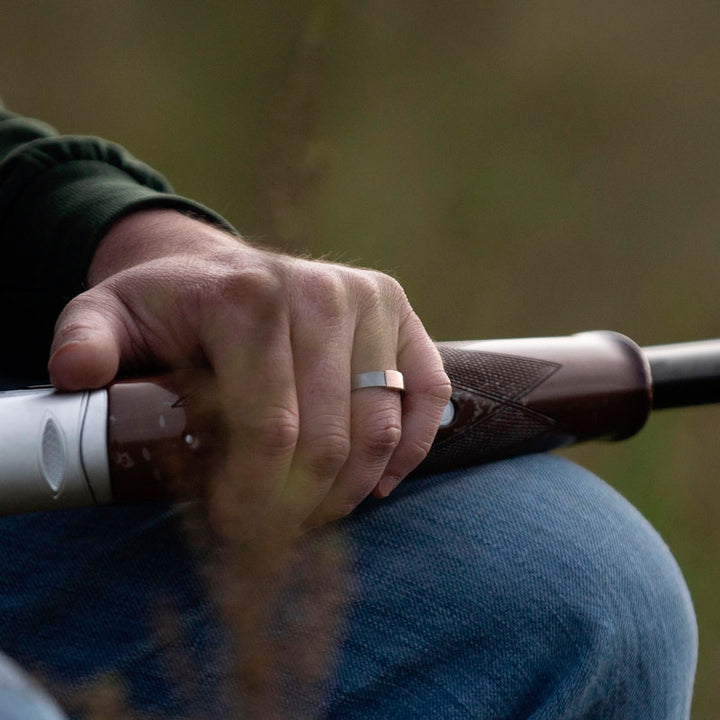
60,196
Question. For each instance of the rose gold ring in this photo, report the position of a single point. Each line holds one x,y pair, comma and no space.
390,379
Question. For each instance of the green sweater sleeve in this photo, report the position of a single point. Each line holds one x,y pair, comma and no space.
58,196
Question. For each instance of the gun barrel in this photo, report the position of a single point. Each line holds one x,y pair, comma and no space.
162,437
684,373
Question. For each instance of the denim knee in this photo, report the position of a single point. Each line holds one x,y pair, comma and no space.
21,698
525,588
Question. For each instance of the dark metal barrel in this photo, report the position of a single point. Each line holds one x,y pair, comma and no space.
684,373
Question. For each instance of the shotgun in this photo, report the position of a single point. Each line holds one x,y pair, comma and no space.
156,438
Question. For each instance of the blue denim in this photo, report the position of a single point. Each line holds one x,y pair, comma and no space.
23,699
525,588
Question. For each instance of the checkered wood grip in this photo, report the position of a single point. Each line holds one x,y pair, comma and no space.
539,394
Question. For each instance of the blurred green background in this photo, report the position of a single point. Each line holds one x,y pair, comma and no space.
523,168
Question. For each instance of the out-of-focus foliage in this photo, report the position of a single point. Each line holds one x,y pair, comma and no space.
523,168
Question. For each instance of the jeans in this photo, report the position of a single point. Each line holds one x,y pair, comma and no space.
526,588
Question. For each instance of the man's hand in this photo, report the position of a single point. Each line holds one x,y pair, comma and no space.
283,336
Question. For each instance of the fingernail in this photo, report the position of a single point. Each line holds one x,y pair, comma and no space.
387,484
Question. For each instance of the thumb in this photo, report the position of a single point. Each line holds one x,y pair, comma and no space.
85,351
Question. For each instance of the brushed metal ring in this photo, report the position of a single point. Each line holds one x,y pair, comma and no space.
390,379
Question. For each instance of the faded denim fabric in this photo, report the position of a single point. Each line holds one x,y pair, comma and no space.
23,699
521,589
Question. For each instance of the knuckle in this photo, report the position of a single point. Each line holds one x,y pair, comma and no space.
435,384
325,290
87,304
382,436
367,287
278,431
72,328
328,454
89,312
339,510
440,387
391,286
390,290
259,287
379,294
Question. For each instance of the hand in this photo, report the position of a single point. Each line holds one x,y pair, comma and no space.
283,336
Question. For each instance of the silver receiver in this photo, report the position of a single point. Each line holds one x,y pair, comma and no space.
53,450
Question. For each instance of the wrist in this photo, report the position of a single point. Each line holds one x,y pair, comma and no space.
152,233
